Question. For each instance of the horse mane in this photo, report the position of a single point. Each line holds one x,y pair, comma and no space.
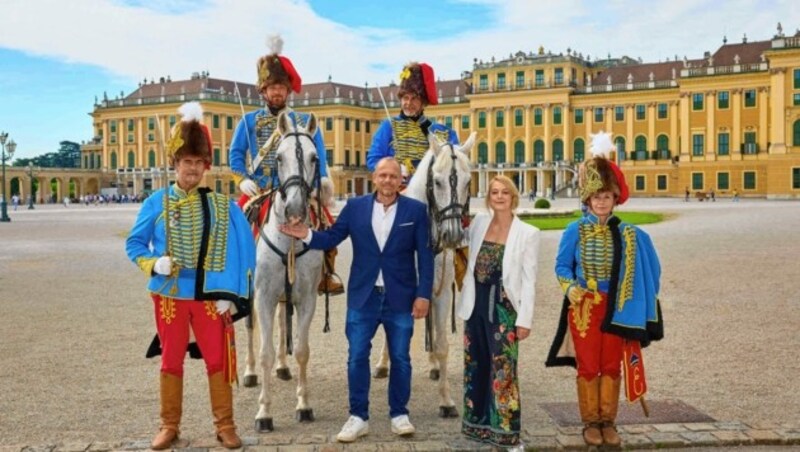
417,185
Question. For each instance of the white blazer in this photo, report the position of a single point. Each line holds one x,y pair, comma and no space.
519,267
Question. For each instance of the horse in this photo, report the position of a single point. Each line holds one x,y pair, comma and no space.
279,254
442,183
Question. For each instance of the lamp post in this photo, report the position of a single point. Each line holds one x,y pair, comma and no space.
5,154
30,198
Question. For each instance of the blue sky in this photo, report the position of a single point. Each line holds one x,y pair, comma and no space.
49,77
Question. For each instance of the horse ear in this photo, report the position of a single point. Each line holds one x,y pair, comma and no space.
284,123
465,148
311,126
436,147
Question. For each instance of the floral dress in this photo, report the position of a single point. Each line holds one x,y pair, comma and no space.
491,392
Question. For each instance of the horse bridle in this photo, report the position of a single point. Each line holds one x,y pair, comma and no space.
454,210
299,179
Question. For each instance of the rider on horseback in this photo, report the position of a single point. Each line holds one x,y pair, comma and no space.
255,137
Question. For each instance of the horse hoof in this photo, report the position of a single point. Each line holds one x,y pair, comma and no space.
380,372
283,374
434,375
306,415
448,411
264,425
250,381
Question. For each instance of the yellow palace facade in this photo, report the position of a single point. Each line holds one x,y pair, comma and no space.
727,121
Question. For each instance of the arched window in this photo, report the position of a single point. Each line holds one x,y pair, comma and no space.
519,152
538,151
641,143
558,150
619,142
151,159
796,134
578,150
662,143
483,153
500,152
113,160
131,159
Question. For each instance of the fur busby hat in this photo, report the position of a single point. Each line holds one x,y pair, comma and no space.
190,136
600,173
274,68
417,78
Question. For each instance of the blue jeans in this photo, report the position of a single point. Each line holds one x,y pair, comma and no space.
361,327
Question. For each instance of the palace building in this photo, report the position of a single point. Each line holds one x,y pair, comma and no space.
725,120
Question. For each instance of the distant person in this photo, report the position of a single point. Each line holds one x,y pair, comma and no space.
713,196
66,201
735,195
687,194
15,201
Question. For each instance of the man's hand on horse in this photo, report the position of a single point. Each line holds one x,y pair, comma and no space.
248,187
297,230
420,308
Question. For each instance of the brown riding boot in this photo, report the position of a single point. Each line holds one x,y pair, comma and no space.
328,283
171,407
589,405
609,403
222,408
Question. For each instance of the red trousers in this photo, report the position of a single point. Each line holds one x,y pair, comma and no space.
596,352
173,319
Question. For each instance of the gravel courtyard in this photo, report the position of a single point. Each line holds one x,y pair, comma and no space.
76,321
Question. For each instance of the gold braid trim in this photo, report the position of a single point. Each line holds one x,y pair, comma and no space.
582,314
565,283
218,236
167,309
146,264
409,141
626,288
591,181
211,309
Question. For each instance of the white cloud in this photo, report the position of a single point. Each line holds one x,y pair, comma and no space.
226,38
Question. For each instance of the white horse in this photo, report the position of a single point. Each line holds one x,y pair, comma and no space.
442,182
284,266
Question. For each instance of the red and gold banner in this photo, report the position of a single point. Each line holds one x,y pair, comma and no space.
633,367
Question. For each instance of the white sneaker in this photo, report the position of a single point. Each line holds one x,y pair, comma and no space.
402,426
354,428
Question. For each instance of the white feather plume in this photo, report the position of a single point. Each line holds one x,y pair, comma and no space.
191,111
601,144
275,44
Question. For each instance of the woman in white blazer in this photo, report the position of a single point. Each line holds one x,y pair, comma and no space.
496,303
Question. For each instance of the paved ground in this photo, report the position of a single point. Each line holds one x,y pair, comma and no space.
76,321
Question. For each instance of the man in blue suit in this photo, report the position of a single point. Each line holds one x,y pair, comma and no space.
386,287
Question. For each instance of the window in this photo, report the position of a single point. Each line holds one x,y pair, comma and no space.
329,156
483,153
697,101
113,126
113,139
448,122
579,116
481,119
698,143
750,145
697,181
640,182
749,180
328,123
501,80
218,186
520,79
556,115
231,187
558,150
539,80
640,143
559,76
662,143
151,123
131,159
598,114
498,118
229,122
358,125
215,121
172,120
538,151
151,159
113,160
796,99
663,111
99,160
358,158
578,150
86,161
797,79
130,138
796,133
619,113
346,124
619,142
537,116
795,178
130,125
500,152
640,112
367,126
216,157
151,137
723,100
723,143
723,181
347,157
465,121
661,182
750,98
483,83
518,117
519,152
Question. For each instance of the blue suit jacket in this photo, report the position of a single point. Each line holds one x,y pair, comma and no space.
409,235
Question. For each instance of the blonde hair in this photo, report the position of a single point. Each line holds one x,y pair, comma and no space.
508,184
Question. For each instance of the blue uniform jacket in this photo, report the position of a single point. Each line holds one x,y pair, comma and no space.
382,141
409,235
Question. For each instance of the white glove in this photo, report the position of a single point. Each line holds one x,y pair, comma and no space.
163,266
248,187
223,306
